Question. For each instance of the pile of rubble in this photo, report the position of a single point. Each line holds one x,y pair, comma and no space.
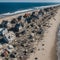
17,37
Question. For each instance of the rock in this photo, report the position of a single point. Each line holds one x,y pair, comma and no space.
36,58
40,31
10,47
25,52
32,51
42,44
12,55
30,37
9,50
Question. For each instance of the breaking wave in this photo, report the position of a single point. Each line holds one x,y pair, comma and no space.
26,10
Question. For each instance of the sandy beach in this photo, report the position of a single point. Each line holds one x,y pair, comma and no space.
46,48
48,51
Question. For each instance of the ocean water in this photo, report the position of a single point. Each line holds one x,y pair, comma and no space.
13,7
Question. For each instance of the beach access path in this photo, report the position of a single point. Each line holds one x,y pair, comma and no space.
48,51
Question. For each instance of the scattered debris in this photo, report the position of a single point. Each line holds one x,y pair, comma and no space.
3,31
19,18
36,58
42,44
4,24
13,21
17,37
9,37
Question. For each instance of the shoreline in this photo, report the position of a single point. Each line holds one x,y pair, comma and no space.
26,10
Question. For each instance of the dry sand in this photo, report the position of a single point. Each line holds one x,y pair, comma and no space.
48,51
